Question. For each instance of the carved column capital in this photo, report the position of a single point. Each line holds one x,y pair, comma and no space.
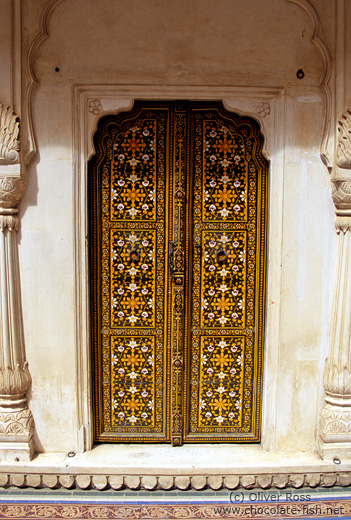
10,222
14,383
337,382
11,191
341,195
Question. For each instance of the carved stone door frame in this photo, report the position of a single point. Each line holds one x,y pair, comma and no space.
266,106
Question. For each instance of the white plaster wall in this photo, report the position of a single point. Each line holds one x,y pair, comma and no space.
46,250
188,42
5,52
307,275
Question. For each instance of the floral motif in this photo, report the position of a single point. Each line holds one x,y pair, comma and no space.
263,108
226,295
95,106
143,324
133,267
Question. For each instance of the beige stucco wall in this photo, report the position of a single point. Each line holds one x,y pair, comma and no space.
185,43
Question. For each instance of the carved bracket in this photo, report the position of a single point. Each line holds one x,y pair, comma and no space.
343,152
9,133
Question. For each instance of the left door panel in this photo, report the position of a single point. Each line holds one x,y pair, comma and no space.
130,211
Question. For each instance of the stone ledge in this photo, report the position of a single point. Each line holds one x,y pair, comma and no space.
167,482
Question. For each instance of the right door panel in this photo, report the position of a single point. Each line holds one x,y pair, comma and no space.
226,216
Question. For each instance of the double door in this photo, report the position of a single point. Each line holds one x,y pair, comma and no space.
178,210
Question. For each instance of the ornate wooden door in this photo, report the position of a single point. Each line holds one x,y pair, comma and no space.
178,210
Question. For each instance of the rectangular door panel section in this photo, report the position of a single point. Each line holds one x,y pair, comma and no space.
219,395
133,281
134,385
226,272
223,279
224,170
131,289
135,158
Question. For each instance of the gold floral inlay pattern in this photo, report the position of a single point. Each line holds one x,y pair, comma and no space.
227,278
131,235
178,272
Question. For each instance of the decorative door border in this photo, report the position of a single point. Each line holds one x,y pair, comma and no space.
266,105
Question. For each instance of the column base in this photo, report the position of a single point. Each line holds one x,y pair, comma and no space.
16,435
16,451
335,432
331,451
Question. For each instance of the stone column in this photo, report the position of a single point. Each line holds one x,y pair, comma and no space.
16,422
335,422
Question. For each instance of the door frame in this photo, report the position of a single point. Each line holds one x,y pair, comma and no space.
90,102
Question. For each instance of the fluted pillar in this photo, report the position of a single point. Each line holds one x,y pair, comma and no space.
16,422
335,421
